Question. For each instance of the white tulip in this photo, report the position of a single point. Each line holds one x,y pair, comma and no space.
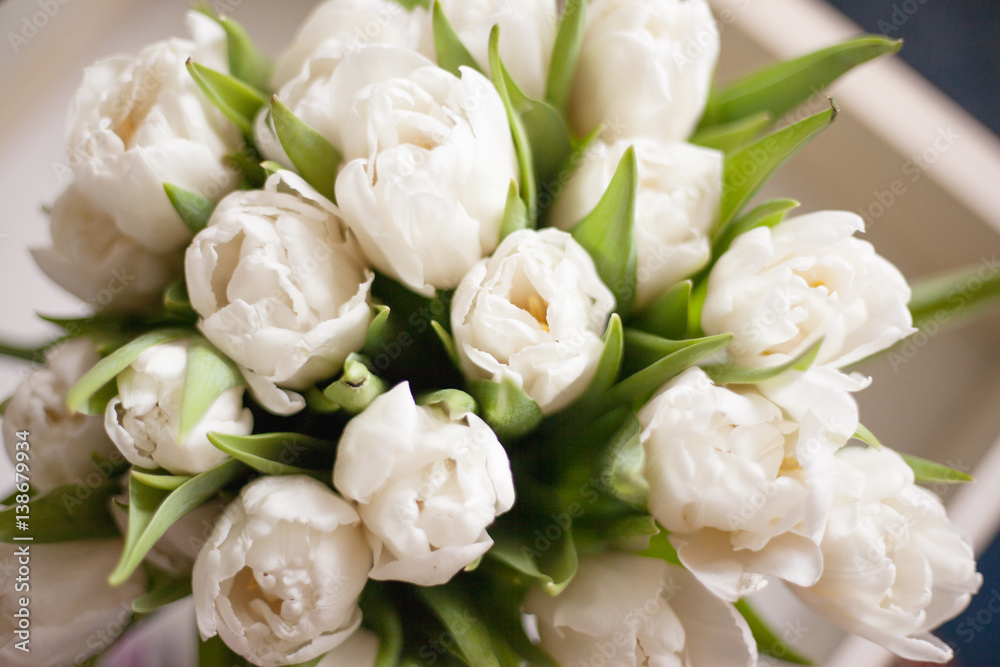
93,260
74,612
679,195
280,288
527,35
280,577
779,291
427,485
428,156
895,566
61,444
742,487
533,313
645,69
623,610
337,29
143,420
138,122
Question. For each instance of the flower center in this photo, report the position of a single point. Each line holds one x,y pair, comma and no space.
789,464
538,309
248,584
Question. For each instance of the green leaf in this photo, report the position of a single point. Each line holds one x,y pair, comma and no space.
278,453
547,133
317,402
589,427
64,514
456,612
550,140
667,316
312,154
695,306
447,341
781,88
271,168
506,408
866,436
645,349
176,302
931,472
453,402
499,593
748,169
238,101
153,511
945,297
734,134
32,354
246,61
11,499
163,482
608,365
107,332
248,163
208,375
730,374
213,652
623,532
608,233
168,589
639,388
768,214
107,369
194,210
661,549
380,615
623,463
515,214
410,5
97,403
356,387
498,74
768,643
451,53
376,330
309,663
565,53
552,562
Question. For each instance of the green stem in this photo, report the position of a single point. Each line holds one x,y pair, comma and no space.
33,354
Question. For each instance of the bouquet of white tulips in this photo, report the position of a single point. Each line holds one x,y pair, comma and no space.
456,335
